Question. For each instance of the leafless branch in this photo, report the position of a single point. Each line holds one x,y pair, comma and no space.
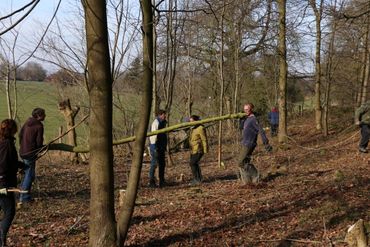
34,2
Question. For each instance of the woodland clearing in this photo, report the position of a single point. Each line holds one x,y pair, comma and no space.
312,190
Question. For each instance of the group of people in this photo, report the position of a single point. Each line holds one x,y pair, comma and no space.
30,140
158,143
250,130
199,144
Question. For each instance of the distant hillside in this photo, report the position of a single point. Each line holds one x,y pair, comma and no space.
30,96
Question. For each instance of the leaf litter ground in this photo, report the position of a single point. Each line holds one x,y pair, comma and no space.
311,190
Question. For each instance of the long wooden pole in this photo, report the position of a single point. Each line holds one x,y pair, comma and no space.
85,149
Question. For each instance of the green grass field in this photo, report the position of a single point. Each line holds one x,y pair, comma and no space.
45,95
30,96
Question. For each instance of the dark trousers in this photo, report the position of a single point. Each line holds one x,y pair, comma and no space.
245,155
365,135
158,158
245,165
194,165
7,204
274,129
161,165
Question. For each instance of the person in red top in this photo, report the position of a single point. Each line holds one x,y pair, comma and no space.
31,141
9,166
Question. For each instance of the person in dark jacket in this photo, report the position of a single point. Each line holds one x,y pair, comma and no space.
9,166
362,116
157,146
199,146
273,117
31,141
251,129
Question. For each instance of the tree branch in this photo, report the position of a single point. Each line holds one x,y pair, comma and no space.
86,149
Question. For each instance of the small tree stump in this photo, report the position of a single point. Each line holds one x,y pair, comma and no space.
356,236
122,195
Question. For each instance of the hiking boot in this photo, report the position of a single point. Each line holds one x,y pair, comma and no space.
195,182
363,150
162,184
152,183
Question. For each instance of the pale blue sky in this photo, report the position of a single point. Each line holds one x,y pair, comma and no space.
34,24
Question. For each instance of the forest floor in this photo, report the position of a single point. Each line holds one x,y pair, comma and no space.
312,189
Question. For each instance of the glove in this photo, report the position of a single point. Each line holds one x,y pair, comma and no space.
357,123
268,148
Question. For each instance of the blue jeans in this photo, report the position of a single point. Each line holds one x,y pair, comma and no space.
153,160
29,177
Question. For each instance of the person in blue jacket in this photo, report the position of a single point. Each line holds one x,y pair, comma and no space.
251,130
273,117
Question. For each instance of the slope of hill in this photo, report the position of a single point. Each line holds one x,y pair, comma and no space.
312,189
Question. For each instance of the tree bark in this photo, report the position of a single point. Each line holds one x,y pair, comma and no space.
134,178
155,84
366,64
102,230
317,99
283,70
222,82
329,75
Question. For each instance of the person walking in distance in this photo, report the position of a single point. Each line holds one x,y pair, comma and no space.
273,117
31,140
9,166
362,118
157,146
199,146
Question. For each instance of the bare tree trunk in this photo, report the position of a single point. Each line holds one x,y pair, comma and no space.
329,75
102,230
155,84
15,95
237,69
7,91
222,82
133,183
318,107
172,62
283,68
366,64
189,98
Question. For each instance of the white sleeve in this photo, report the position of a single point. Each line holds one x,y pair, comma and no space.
155,124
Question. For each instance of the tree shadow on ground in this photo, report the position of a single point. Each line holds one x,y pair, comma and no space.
288,240
224,177
139,219
63,194
303,203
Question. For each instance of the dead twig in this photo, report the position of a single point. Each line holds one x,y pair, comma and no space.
74,225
